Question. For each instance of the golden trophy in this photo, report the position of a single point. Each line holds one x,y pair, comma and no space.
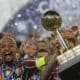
51,21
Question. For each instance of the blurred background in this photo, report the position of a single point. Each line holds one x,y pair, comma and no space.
24,16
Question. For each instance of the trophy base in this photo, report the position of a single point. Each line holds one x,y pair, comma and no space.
70,70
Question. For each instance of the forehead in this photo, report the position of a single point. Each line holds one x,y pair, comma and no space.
28,43
42,53
41,42
7,41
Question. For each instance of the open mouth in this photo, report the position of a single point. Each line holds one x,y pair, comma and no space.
8,53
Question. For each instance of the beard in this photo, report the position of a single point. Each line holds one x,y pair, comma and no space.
9,63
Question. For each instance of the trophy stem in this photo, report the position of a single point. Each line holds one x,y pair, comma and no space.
61,40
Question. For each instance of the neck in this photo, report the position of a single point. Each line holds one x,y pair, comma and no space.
31,56
9,64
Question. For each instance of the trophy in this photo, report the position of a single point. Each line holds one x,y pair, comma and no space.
51,21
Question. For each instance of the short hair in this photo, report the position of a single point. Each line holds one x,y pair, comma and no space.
43,50
74,27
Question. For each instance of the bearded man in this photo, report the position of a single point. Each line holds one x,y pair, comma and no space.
10,69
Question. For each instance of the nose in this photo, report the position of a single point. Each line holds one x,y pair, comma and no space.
6,48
